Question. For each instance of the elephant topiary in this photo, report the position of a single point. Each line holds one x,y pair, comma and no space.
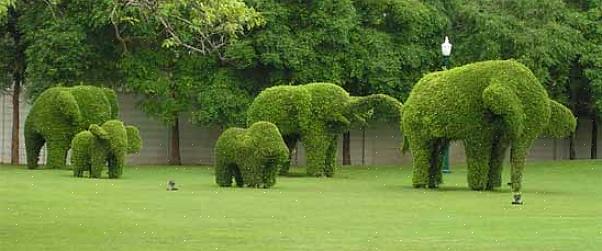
61,112
490,106
94,148
251,156
316,114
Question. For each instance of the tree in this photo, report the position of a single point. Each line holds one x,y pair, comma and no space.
13,63
172,44
590,64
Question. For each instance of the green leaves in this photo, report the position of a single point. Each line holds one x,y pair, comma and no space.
202,26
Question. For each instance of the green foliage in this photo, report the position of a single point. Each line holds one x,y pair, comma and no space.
202,26
92,149
134,139
315,114
61,112
67,43
221,101
251,156
491,106
4,5
166,81
562,122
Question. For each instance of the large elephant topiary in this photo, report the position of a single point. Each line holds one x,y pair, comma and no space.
61,112
316,114
490,106
251,156
93,149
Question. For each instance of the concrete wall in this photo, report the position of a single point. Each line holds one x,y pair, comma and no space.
379,144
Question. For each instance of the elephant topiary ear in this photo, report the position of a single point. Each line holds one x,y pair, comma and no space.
98,131
134,139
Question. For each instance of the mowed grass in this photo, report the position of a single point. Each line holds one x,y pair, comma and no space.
362,208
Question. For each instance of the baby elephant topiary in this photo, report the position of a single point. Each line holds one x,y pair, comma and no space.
251,156
94,148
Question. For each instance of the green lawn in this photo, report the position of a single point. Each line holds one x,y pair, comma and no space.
363,208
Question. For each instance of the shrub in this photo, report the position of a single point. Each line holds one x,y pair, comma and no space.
61,112
491,106
316,114
108,144
251,156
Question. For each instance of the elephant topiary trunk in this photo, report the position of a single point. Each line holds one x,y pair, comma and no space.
491,106
108,144
251,156
316,114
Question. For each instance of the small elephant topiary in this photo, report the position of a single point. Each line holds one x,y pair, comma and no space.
94,148
251,156
491,106
61,112
316,114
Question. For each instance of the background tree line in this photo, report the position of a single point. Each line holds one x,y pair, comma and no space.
209,58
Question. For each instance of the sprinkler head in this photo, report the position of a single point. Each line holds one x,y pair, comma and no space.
517,199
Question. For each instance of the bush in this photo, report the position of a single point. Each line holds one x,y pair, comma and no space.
316,114
61,112
491,106
94,148
251,156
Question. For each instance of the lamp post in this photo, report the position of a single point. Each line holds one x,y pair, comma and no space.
446,48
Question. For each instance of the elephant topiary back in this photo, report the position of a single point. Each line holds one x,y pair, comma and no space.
286,106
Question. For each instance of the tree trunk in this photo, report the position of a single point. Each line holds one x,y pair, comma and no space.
14,157
572,153
174,154
594,146
17,72
347,148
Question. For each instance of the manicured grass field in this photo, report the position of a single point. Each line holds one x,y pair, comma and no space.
363,208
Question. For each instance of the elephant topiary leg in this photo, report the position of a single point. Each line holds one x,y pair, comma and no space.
436,163
422,151
331,157
115,164
498,154
33,144
223,174
315,148
97,163
518,154
57,152
478,154
291,143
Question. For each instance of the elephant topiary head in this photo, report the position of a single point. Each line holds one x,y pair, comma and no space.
562,123
118,137
381,107
134,139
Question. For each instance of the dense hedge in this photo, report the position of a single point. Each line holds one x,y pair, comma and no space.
108,144
251,156
316,114
61,112
491,106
